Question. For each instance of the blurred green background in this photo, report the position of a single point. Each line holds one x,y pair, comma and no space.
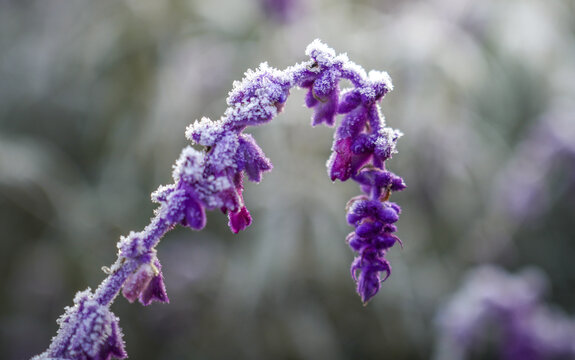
94,100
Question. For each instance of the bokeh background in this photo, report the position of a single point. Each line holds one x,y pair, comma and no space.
94,100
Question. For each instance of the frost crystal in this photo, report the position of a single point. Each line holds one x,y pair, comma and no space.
204,132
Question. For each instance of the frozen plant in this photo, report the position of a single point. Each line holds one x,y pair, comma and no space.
492,299
212,178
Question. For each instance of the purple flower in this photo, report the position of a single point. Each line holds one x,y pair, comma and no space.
321,79
146,283
88,331
492,298
239,220
251,158
362,143
371,239
155,290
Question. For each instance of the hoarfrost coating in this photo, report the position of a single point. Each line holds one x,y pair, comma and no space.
209,175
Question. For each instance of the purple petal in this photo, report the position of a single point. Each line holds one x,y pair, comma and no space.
310,100
340,160
194,214
239,220
252,159
156,290
369,228
137,282
349,101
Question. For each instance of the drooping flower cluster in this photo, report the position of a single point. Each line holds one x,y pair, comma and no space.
362,143
210,174
492,298
213,178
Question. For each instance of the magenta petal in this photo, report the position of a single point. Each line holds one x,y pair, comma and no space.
340,161
239,220
137,282
156,290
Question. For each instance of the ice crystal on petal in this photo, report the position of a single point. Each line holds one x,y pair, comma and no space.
160,195
88,331
222,155
320,52
189,167
205,132
385,142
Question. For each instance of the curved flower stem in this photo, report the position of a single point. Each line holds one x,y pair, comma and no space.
124,267
213,179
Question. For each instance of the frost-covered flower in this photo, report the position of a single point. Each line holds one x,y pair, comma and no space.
146,283
88,330
492,298
209,175
362,143
373,236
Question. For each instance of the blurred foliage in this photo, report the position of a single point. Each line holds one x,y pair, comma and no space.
94,100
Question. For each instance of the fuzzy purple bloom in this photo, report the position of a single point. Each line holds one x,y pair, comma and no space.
362,143
512,303
371,239
282,11
88,330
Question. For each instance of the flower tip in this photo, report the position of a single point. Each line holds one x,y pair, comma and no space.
239,220
364,302
156,291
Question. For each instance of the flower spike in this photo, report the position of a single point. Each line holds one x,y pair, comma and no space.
209,175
